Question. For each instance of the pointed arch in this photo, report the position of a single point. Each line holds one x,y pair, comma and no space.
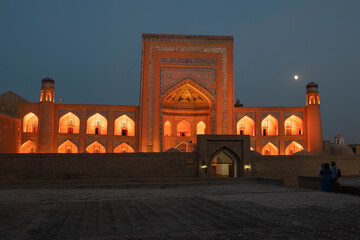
183,129
123,148
69,123
96,147
187,84
200,128
293,125
293,147
167,128
182,147
245,126
30,123
97,124
224,163
269,126
124,126
270,149
28,147
68,147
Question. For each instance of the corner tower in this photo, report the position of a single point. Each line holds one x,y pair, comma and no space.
46,124
313,119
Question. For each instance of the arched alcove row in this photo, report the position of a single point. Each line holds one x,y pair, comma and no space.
96,147
69,123
97,124
28,147
68,147
124,148
30,123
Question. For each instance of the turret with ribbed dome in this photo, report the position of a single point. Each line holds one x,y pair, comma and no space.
314,136
47,108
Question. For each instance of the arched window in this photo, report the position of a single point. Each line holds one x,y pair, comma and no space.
167,128
96,124
269,126
96,147
183,129
28,147
200,128
30,123
123,148
68,147
270,149
293,147
124,126
245,126
293,125
69,123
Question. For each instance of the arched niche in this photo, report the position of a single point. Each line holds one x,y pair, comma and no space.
30,123
182,147
68,147
245,126
293,147
167,128
96,124
123,148
200,128
28,147
269,126
183,129
69,123
293,125
270,149
223,165
95,147
124,126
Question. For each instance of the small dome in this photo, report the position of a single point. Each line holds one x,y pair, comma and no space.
47,79
312,87
341,150
47,83
339,136
173,150
312,84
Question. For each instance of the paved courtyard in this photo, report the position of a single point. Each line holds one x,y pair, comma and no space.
236,211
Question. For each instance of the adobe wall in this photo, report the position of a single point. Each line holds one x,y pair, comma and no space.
9,134
289,168
97,166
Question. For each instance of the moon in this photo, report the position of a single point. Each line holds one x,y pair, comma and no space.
296,77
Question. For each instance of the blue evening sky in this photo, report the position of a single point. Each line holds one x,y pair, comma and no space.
92,49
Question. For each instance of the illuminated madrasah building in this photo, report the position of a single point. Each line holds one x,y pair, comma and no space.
187,89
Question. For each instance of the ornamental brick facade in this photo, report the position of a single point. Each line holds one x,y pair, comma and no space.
186,89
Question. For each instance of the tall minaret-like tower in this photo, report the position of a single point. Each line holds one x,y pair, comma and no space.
313,119
46,123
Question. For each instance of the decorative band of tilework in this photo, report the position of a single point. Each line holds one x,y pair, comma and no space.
188,61
170,76
186,114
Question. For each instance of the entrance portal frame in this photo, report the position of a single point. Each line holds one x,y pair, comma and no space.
237,147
